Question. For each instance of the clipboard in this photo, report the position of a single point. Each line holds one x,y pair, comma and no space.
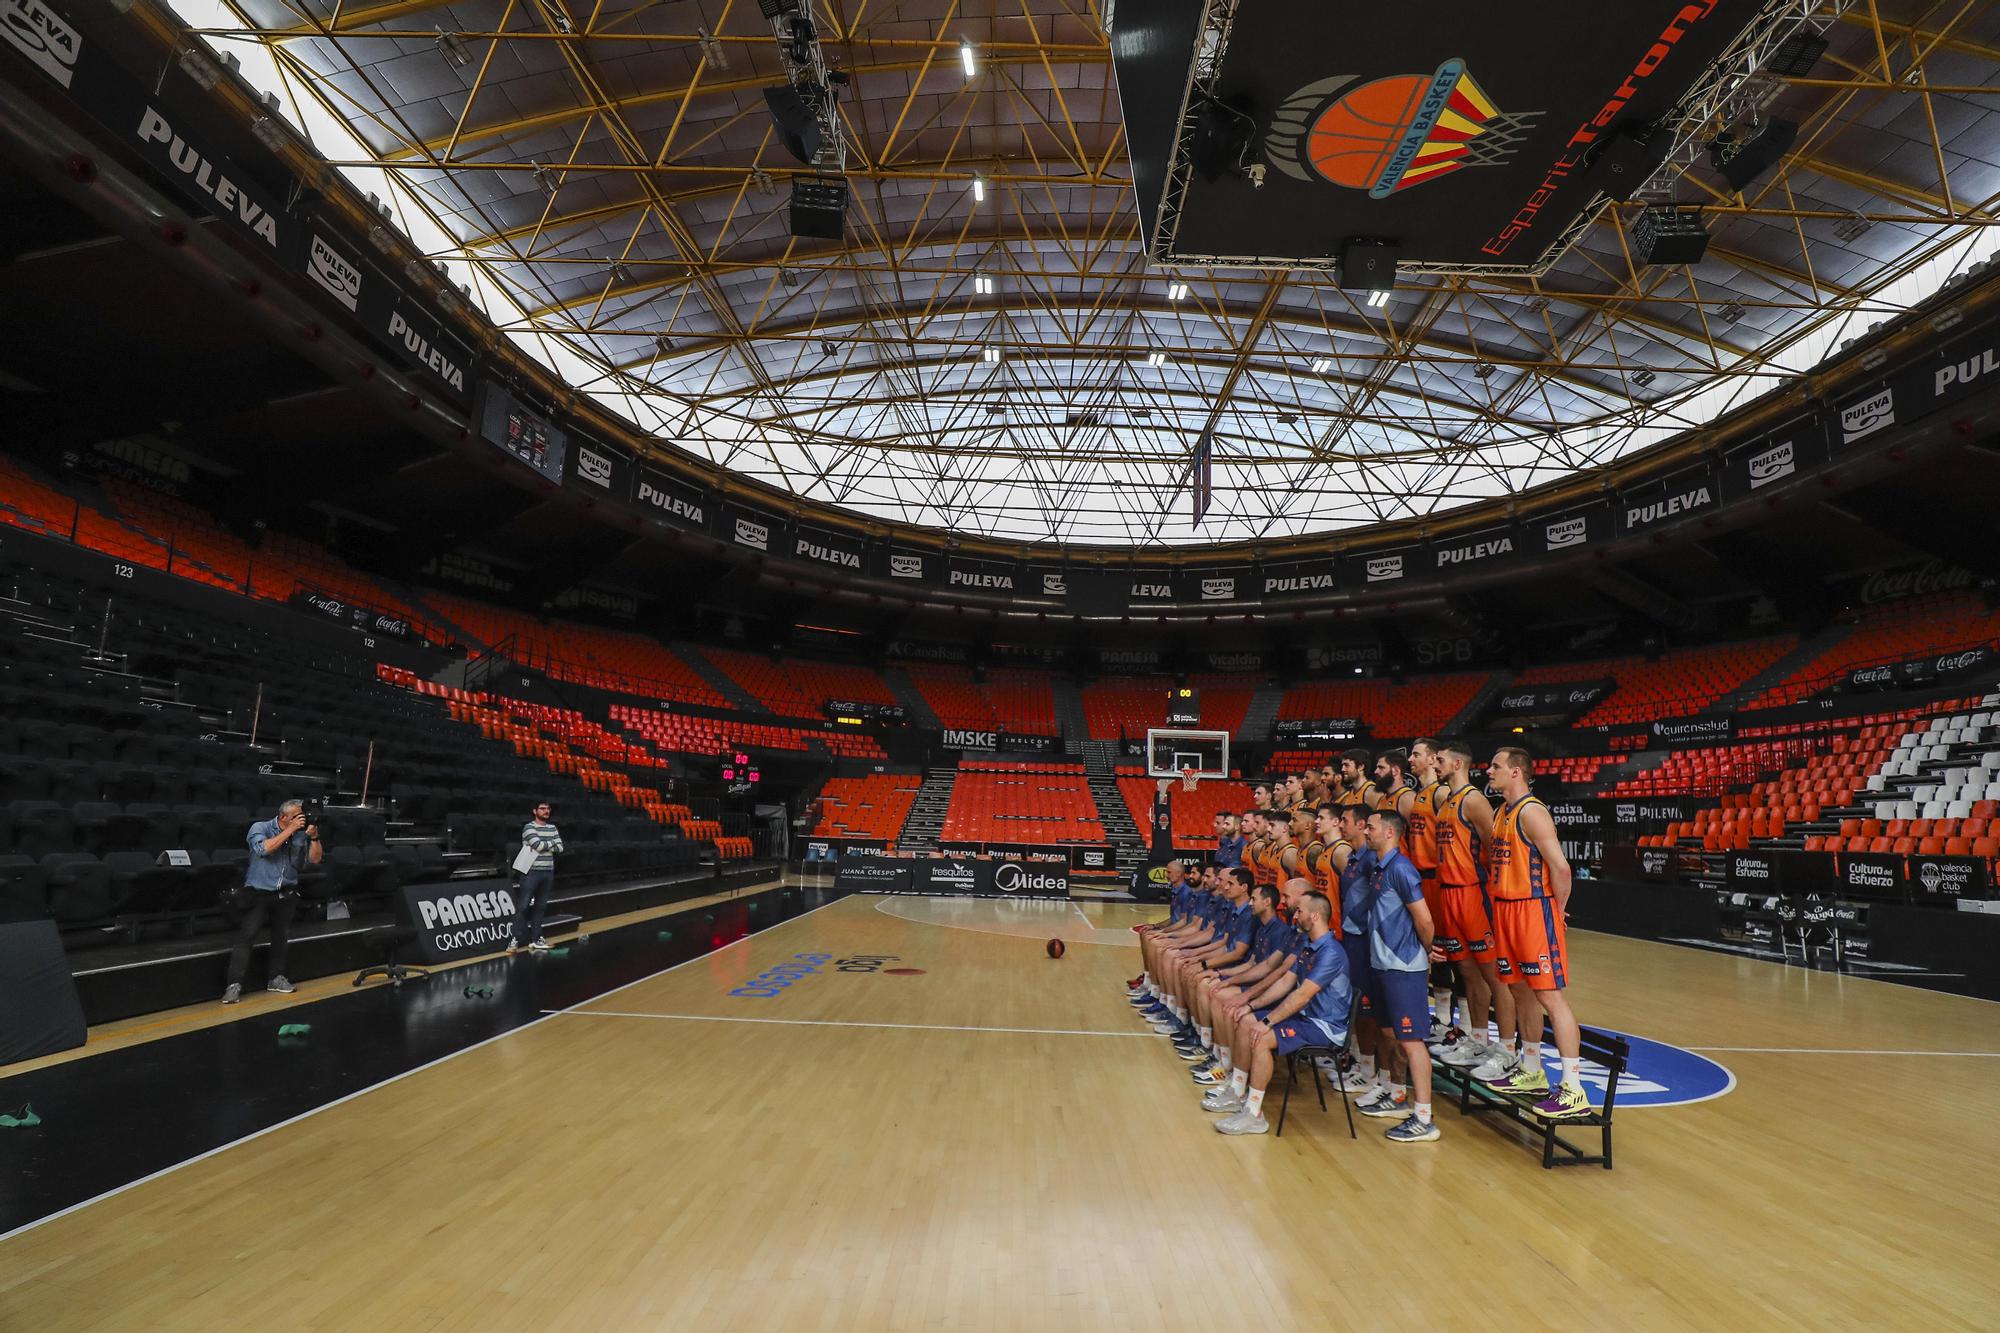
525,859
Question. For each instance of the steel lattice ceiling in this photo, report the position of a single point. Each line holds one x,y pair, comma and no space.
604,179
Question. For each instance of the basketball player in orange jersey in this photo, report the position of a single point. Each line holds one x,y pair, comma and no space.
1422,849
1260,795
1281,858
1464,828
1392,782
1531,886
1355,788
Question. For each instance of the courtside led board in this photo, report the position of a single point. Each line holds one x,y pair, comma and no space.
1462,134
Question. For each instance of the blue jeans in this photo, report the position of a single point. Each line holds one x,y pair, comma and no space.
533,896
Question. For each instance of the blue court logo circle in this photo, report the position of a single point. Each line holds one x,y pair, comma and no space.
1657,1075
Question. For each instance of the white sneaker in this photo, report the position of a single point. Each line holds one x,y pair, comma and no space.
1499,1064
1222,1100
541,946
1243,1123
280,986
1354,1081
1464,1055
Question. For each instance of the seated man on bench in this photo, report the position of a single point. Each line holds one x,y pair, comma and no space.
1273,949
1313,1014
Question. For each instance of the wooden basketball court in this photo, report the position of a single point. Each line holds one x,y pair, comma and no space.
931,1124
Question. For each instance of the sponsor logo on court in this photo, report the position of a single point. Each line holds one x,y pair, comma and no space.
1656,1075
774,981
1776,462
864,962
594,468
39,34
1867,416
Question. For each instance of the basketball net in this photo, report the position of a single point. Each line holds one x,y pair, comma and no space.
1188,779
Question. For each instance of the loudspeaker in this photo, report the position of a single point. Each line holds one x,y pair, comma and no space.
1742,161
798,126
1369,266
1669,236
819,207
1625,160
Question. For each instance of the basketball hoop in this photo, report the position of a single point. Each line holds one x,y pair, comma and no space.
1188,779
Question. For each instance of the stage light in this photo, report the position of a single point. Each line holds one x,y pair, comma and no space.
546,179
1378,299
982,285
1642,378
1322,364
1482,371
711,50
967,58
1156,359
1731,313
1177,291
1853,228
978,189
991,355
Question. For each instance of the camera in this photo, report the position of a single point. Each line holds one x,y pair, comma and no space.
314,809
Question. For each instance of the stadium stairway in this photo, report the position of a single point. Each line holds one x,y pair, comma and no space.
1100,773
1482,698
1261,713
925,825
1070,715
718,679
911,698
1809,650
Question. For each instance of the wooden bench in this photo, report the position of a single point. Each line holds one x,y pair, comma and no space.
1476,1098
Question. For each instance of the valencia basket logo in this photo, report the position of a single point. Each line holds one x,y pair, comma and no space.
1392,133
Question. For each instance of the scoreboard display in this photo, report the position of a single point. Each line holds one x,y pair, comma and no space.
522,432
1183,707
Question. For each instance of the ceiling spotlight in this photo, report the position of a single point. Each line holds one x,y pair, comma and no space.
269,131
711,50
995,410
1156,359
1482,371
199,68
1853,228
1322,364
968,59
663,344
791,278
1378,298
982,284
762,181
621,275
828,347
1288,418
1142,414
1731,312
1642,378
1538,305
978,189
452,48
990,356
1177,291
546,179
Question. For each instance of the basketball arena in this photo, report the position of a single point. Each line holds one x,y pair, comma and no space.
837,665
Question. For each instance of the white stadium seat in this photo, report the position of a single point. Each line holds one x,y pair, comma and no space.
1958,810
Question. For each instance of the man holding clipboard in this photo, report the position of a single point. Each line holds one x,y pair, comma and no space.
535,879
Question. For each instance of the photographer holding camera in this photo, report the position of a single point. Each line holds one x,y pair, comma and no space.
279,849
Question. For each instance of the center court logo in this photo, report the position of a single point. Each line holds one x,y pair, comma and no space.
1656,1075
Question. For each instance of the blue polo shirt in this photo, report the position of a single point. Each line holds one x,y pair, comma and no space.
1240,925
1354,890
1229,851
272,871
1272,936
1393,942
1324,963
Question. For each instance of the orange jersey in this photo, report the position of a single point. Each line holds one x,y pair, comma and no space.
1317,859
1365,795
1387,800
1459,855
1518,870
1423,843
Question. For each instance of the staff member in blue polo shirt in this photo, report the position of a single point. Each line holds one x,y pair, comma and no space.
279,848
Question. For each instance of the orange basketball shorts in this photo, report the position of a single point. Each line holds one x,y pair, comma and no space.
1464,925
1533,943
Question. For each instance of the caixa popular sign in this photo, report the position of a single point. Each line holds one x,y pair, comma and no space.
455,923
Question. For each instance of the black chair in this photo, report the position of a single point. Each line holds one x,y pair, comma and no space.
79,887
92,822
41,827
24,894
